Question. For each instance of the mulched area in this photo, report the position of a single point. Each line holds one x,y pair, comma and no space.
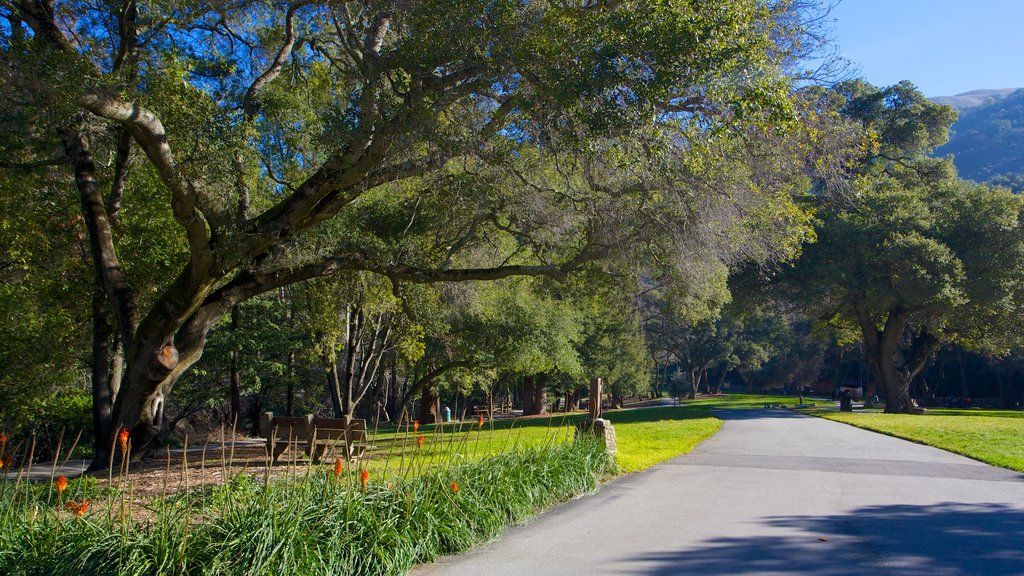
172,471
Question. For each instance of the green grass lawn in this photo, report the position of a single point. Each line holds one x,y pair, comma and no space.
747,401
995,437
648,436
645,437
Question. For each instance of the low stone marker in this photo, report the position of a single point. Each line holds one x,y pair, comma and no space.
603,430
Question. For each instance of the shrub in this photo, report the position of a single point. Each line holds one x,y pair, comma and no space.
315,523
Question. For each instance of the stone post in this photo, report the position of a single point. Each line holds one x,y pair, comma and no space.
596,384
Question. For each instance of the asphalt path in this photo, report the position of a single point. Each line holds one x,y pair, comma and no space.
774,492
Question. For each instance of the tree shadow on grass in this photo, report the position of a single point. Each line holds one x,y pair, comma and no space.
938,540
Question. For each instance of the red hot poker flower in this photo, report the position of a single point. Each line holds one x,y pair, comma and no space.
61,484
419,441
77,508
337,467
415,425
480,421
455,487
122,438
364,477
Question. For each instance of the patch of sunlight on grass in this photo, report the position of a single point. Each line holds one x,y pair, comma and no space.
649,436
997,439
644,436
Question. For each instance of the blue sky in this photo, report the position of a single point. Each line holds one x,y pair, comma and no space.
945,47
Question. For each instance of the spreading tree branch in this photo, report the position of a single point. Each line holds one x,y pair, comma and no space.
148,132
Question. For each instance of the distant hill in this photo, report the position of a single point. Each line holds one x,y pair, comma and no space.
987,142
974,98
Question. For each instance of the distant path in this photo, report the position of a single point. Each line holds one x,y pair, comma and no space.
774,492
45,471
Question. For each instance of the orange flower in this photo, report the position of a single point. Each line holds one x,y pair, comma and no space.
337,467
364,477
415,425
455,487
122,438
419,441
62,484
77,508
480,421
3,441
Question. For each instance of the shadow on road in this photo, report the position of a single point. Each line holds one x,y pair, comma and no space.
935,540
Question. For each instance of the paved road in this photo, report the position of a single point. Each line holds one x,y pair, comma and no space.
775,492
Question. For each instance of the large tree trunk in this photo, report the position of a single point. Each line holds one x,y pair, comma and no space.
694,383
881,351
428,405
330,366
529,397
721,379
540,395
102,392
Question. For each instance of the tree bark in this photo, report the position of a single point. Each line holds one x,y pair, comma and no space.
540,396
721,379
235,414
290,392
529,396
428,405
881,349
330,366
102,393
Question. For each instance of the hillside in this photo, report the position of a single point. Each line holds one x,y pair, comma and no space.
974,98
987,141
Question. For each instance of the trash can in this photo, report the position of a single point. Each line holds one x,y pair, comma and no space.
845,402
447,414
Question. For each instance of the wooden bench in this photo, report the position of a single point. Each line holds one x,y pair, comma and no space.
349,441
283,432
356,439
317,436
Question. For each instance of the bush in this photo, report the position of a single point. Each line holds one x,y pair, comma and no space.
311,524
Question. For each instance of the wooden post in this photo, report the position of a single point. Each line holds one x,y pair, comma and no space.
595,398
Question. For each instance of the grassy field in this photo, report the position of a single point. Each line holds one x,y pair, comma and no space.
645,437
994,437
648,436
745,401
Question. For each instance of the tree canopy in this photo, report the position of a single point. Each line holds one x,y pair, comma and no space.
915,258
223,151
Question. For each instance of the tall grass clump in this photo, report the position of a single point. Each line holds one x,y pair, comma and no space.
320,520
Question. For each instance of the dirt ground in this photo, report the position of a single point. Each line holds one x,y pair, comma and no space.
172,471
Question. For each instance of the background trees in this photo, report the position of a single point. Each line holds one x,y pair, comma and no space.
291,189
915,258
269,144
